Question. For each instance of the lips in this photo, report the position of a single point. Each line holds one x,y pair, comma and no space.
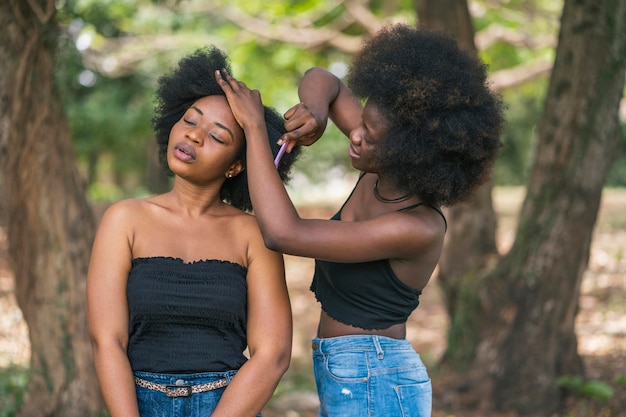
353,153
184,152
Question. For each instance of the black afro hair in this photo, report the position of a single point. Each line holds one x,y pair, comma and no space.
192,79
444,121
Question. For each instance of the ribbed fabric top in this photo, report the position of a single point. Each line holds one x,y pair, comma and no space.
368,295
363,294
186,317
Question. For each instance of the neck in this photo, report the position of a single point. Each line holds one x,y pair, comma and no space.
390,195
193,199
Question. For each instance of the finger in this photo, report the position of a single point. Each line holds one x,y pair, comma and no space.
232,81
292,137
293,124
289,113
220,78
290,146
299,119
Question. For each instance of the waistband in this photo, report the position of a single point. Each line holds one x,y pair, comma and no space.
359,342
183,385
180,389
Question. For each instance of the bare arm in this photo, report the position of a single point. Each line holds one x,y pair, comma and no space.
269,333
322,96
107,310
393,235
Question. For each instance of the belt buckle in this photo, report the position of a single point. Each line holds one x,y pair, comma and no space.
178,390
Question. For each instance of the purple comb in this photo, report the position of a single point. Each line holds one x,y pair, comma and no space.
280,154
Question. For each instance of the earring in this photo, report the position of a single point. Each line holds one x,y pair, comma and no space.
230,175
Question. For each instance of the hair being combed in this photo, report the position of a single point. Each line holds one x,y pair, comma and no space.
444,122
192,79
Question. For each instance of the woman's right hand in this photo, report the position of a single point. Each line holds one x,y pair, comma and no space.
303,126
244,102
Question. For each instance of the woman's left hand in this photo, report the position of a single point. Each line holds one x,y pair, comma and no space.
245,103
303,126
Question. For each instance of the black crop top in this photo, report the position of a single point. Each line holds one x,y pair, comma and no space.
186,317
368,295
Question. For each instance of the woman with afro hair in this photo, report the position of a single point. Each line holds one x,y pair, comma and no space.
426,137
181,284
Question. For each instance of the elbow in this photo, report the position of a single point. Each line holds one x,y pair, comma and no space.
277,244
277,238
272,243
275,361
105,345
282,362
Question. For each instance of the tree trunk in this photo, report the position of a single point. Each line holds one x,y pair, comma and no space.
49,223
530,301
471,238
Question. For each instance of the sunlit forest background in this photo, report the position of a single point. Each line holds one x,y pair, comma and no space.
114,50
108,57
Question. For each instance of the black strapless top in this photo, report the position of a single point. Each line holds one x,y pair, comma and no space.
186,317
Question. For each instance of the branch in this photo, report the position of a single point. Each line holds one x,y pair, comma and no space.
513,77
305,36
121,55
43,16
359,11
498,33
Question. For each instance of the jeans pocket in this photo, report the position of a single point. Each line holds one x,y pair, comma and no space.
415,400
347,366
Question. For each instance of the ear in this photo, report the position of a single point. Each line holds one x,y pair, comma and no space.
235,169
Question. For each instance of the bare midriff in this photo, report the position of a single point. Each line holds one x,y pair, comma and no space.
330,327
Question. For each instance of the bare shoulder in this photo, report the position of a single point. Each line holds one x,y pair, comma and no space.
422,227
126,210
246,224
430,220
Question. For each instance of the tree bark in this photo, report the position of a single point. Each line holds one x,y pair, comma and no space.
530,301
471,238
49,223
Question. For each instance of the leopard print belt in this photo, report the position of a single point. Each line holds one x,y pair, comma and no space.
180,390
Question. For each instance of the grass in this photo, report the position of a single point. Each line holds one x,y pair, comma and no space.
13,380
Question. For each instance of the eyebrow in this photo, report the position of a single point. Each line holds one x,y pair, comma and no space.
218,124
198,110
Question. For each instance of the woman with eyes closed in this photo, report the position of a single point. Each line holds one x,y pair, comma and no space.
426,137
181,284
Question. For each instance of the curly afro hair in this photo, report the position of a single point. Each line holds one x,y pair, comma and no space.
192,79
444,122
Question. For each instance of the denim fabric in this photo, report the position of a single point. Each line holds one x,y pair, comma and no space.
370,376
156,404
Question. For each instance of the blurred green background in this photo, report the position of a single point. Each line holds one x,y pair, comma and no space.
112,52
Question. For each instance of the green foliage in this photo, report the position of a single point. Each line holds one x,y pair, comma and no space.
13,380
115,49
597,390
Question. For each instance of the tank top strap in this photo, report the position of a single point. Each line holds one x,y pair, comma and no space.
437,209
337,215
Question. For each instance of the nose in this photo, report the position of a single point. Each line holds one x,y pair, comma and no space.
356,136
195,135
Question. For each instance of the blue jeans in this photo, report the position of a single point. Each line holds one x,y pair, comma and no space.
370,376
156,404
